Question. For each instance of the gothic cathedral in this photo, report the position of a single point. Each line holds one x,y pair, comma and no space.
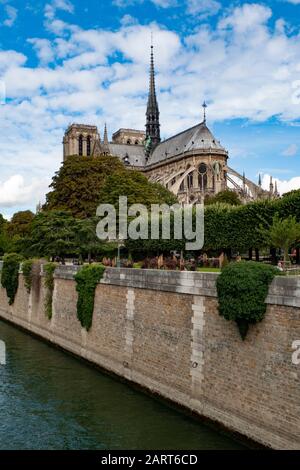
192,164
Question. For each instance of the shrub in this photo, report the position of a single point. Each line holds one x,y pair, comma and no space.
27,273
49,269
86,282
242,289
10,275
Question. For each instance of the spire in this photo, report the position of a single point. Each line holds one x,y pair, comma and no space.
271,185
105,137
204,106
105,144
152,114
259,180
276,189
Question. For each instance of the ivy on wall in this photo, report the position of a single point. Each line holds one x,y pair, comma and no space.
10,275
242,290
86,282
49,269
27,273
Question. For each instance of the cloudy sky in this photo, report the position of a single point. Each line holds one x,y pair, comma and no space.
64,61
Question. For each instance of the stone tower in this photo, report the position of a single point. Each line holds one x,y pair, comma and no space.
152,114
82,140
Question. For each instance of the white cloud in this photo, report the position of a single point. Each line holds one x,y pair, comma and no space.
247,18
165,3
295,2
16,191
290,151
12,14
158,3
203,7
43,49
283,186
51,8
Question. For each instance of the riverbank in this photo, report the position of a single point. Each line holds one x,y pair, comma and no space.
161,330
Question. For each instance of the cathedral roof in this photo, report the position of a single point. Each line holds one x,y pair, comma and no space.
135,154
198,137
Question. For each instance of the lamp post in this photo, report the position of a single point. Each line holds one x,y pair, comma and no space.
120,242
119,255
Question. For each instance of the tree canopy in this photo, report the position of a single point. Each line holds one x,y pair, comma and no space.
226,197
137,188
4,239
53,233
283,233
20,224
76,186
82,184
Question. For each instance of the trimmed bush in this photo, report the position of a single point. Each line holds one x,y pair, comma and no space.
10,275
86,282
242,290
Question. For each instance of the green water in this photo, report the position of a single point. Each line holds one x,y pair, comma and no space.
49,400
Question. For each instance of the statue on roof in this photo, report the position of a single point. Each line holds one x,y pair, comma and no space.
148,145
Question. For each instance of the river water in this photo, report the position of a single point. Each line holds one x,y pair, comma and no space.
50,400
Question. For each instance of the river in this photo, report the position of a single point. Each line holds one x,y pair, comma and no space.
49,400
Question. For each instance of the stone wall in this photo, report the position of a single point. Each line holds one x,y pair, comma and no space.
162,330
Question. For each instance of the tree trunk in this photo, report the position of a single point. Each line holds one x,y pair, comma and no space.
286,254
257,254
250,254
273,256
298,255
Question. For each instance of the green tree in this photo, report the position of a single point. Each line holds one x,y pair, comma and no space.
76,186
2,222
137,188
4,238
20,224
86,238
226,197
283,233
53,234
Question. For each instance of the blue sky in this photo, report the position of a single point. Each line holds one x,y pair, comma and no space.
64,61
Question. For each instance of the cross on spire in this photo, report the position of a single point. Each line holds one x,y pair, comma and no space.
204,106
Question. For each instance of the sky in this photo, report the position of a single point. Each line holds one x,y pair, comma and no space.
64,61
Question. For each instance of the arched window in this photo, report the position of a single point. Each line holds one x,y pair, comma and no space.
136,142
190,180
80,146
128,142
88,146
181,188
202,176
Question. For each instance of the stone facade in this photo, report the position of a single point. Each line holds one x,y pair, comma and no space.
129,137
81,139
162,330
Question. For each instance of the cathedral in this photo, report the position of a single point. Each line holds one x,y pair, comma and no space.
192,164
